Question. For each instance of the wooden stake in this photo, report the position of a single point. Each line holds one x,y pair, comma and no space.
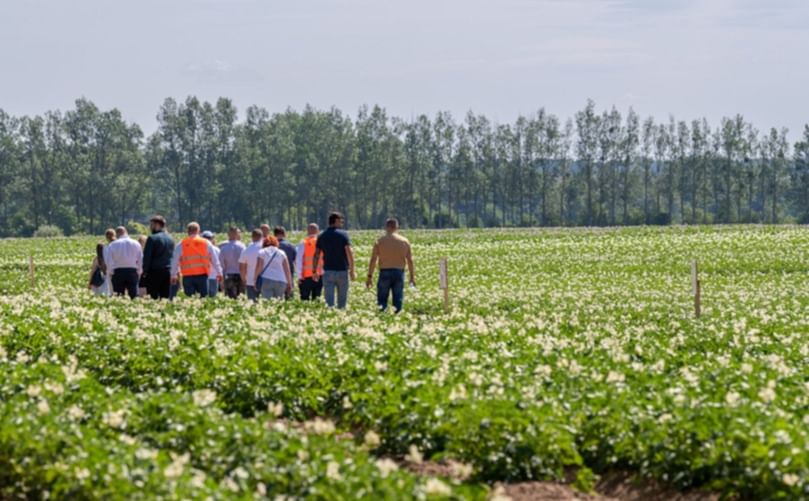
696,288
31,271
443,278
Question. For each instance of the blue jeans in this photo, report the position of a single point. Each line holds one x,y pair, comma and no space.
213,287
196,284
273,289
390,280
339,280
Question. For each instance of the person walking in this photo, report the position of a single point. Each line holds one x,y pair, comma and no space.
273,268
338,261
229,254
157,256
141,282
109,236
194,257
124,260
265,230
280,234
98,275
393,252
305,265
247,264
215,273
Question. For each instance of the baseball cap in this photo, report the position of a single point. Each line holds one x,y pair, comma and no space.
207,234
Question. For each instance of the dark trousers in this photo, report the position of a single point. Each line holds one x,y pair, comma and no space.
310,290
233,286
391,280
125,281
196,284
252,293
158,283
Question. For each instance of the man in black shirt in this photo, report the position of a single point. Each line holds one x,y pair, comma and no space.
338,261
157,254
281,234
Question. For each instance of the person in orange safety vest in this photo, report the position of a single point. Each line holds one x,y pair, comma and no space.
194,258
305,265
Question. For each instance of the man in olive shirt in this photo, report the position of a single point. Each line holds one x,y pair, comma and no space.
157,254
393,253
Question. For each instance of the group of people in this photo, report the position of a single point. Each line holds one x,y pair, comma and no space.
269,267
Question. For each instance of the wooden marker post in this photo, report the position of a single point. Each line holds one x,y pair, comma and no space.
31,271
443,278
696,289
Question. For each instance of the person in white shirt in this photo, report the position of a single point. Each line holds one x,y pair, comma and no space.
247,264
215,275
273,267
124,260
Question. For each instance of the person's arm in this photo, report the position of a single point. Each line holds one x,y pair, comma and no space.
299,261
259,267
372,266
318,253
147,254
108,261
350,256
222,260
411,267
214,261
175,262
139,260
288,274
92,272
243,266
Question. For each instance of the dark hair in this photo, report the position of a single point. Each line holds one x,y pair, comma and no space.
157,218
257,233
100,257
392,222
279,231
334,217
233,229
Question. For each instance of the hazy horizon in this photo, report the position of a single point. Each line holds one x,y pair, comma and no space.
688,58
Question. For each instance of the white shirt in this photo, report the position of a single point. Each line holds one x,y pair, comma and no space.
124,253
215,266
273,264
249,257
216,270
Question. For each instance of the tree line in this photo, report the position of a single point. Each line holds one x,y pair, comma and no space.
86,169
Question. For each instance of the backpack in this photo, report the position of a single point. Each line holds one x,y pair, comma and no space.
97,280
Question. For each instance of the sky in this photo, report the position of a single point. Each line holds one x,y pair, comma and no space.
502,58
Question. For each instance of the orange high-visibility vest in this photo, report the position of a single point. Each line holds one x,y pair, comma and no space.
308,268
195,259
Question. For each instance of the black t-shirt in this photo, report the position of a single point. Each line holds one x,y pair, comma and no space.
332,243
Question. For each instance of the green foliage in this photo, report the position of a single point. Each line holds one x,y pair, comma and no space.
564,351
88,169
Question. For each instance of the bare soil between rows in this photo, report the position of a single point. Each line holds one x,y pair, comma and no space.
616,486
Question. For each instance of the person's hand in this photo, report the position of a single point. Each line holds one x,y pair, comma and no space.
220,279
89,286
289,288
315,276
368,282
353,276
173,280
300,282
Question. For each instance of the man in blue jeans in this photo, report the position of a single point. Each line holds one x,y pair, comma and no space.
338,261
393,253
